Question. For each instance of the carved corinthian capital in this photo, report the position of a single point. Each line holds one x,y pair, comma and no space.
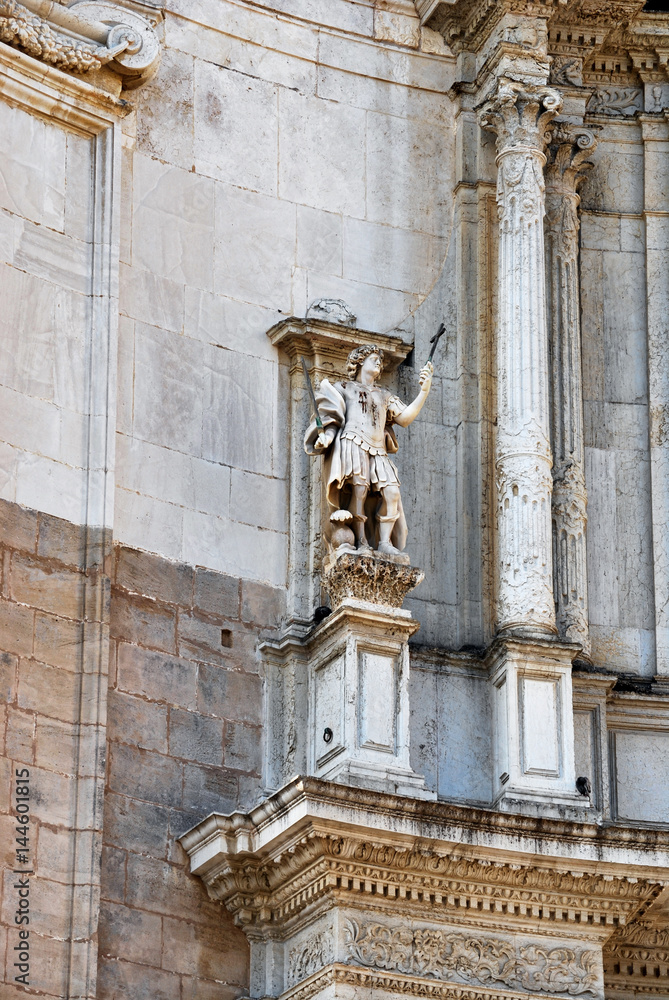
520,115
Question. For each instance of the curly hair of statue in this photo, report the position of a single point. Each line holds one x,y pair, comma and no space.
358,356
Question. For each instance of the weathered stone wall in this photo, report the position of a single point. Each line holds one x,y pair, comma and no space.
49,723
184,739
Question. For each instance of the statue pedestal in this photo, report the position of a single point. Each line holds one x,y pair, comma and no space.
338,698
359,698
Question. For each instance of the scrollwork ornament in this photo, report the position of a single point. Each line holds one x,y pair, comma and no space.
310,956
28,31
440,954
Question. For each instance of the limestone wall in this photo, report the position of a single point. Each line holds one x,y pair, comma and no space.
280,155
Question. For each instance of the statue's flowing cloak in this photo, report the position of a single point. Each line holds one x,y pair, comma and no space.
332,411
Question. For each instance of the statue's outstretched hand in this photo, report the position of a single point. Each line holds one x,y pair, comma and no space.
321,442
425,377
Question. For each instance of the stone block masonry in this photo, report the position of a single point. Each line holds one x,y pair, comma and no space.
180,736
184,717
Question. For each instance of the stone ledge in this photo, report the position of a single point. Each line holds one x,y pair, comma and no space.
465,830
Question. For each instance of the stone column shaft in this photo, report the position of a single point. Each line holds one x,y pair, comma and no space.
566,170
519,115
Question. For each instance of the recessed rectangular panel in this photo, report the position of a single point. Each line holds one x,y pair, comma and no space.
540,722
585,750
328,709
641,762
378,700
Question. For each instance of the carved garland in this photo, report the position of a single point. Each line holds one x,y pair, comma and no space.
21,28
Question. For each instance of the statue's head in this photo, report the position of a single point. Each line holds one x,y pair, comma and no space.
359,356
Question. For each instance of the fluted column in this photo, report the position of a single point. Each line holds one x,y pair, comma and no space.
566,169
519,114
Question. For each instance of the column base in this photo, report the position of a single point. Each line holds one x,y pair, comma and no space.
533,724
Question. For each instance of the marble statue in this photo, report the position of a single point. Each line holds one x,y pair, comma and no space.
355,438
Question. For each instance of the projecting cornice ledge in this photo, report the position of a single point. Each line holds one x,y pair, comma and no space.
83,36
340,885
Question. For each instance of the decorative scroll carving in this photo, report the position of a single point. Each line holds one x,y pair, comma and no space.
19,27
81,36
520,116
615,101
567,168
431,952
309,957
559,970
567,70
369,578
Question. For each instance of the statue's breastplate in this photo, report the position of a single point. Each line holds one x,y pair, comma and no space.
365,415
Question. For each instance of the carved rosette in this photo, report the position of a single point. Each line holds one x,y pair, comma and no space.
371,579
520,116
567,168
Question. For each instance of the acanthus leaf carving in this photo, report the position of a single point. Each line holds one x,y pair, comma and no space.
559,970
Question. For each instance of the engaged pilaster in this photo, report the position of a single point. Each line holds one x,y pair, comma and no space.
519,114
567,168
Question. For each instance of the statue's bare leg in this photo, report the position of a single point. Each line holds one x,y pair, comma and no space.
357,508
390,511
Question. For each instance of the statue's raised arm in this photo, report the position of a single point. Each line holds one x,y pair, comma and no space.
355,438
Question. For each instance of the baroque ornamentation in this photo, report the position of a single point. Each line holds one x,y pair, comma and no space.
615,101
82,36
429,952
368,578
439,954
251,889
19,27
307,958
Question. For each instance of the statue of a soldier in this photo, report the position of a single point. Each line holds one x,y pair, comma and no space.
355,440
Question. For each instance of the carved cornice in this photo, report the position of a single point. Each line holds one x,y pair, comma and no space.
326,344
82,36
274,869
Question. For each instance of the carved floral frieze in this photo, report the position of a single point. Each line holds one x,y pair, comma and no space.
308,957
442,954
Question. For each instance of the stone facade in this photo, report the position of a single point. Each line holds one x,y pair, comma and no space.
254,769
